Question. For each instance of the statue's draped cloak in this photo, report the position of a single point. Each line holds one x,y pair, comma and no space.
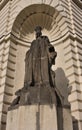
37,61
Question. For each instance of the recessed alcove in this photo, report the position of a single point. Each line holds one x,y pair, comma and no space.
34,15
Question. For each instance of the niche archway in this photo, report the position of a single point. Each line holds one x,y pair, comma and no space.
38,14
22,34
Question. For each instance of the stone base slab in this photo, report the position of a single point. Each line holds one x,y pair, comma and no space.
32,117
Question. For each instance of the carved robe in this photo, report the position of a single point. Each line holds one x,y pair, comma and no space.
38,62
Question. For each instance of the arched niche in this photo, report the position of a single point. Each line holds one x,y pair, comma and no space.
39,14
22,34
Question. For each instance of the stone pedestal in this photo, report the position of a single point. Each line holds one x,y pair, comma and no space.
33,117
37,110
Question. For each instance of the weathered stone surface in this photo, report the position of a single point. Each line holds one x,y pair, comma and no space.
43,95
38,117
32,117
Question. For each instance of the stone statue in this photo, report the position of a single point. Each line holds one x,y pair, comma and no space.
43,105
39,60
38,73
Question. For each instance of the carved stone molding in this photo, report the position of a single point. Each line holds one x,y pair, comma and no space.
2,3
78,3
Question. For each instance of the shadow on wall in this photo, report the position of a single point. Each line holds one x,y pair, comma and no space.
75,123
62,83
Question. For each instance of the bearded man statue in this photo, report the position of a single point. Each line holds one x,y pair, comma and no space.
39,60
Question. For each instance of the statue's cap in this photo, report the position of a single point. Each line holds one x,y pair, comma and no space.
38,28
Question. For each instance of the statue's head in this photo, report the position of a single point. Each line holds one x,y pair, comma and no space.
38,31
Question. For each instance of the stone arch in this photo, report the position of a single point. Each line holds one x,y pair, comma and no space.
51,19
